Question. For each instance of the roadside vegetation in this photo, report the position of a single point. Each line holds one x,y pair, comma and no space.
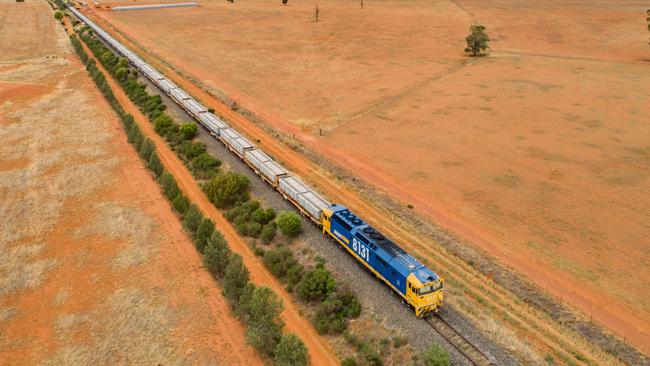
258,307
270,233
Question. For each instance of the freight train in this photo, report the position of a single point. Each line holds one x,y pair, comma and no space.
417,285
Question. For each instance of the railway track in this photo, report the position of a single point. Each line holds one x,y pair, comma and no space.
459,342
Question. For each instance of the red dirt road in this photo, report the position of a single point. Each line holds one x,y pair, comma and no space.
320,351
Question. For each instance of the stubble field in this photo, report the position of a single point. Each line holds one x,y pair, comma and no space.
538,153
87,241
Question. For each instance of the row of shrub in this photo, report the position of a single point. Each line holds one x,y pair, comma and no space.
230,191
258,307
202,164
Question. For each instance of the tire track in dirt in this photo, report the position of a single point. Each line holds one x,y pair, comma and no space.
320,351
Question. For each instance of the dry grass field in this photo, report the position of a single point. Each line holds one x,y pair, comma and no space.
87,241
539,153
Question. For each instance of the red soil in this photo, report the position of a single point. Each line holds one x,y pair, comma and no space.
82,245
538,154
320,351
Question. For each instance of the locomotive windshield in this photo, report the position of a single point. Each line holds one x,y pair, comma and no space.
437,285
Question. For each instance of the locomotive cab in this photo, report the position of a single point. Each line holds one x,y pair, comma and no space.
425,297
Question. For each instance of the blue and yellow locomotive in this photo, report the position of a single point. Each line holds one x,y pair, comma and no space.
420,287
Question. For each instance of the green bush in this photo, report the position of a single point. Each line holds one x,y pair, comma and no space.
181,204
289,223
278,261
294,275
205,165
235,279
170,188
262,313
436,356
188,130
268,232
216,255
58,15
191,149
316,284
193,218
264,336
155,164
349,361
263,216
291,351
253,229
163,124
333,313
146,149
203,233
227,188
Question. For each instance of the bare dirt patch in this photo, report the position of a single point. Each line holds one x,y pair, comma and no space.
94,265
537,154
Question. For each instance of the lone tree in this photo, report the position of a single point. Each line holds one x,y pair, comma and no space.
477,40
284,2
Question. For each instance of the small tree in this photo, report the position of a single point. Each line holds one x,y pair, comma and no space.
235,279
181,204
316,284
477,41
217,255
188,130
291,351
289,223
284,2
155,164
146,149
227,188
193,218
203,233
268,232
436,356
58,15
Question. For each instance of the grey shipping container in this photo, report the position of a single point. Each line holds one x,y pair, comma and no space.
166,85
193,106
178,95
293,187
210,119
272,170
313,203
265,165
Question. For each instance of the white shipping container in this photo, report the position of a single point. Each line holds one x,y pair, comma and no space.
272,170
179,95
241,145
312,203
194,106
212,120
166,85
293,187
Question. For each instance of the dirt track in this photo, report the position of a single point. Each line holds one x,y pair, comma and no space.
515,153
87,241
319,350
